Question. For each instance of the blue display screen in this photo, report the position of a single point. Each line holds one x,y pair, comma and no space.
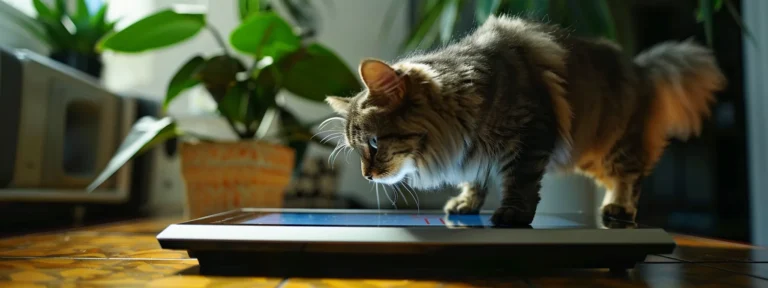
394,220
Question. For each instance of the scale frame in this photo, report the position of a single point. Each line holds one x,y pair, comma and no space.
224,247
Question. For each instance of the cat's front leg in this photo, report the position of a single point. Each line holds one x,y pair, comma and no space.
521,181
469,201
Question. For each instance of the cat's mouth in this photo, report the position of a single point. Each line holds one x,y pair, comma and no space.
407,166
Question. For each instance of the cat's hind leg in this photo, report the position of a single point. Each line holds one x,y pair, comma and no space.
622,174
620,200
469,201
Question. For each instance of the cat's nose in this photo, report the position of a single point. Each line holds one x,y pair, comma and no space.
369,177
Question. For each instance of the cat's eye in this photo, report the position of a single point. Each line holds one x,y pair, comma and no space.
373,143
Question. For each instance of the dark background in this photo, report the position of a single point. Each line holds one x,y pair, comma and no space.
701,186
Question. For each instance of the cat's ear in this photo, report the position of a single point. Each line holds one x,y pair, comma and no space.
340,105
382,80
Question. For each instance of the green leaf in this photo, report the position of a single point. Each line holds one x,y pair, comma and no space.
43,11
484,9
448,20
82,16
86,34
232,105
219,73
109,26
167,133
99,20
247,7
185,78
316,72
146,133
162,29
60,9
424,26
260,65
706,13
53,26
265,34
262,92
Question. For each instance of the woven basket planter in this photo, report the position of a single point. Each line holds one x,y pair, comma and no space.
222,176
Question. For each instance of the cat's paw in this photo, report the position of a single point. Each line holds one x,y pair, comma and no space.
618,212
512,216
463,204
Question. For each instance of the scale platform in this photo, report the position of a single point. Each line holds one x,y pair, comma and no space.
372,243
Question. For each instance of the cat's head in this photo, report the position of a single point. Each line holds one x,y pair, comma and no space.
383,122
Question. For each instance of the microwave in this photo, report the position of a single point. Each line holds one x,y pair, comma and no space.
60,127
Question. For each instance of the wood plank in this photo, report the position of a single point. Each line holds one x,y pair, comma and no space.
660,259
702,250
651,275
183,273
87,245
144,226
374,283
117,273
645,275
759,270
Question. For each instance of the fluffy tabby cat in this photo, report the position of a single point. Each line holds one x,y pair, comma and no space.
516,99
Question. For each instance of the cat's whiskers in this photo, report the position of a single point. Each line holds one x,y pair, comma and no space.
387,194
394,201
326,131
413,194
349,151
378,201
335,152
330,132
401,194
329,120
331,137
338,150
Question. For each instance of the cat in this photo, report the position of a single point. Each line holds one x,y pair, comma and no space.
516,99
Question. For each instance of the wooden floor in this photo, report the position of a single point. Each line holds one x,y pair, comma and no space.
127,255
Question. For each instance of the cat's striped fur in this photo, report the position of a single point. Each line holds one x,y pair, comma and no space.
516,99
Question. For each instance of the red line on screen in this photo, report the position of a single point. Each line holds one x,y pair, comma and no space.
426,220
441,220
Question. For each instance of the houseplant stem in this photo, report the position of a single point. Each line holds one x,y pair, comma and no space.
218,38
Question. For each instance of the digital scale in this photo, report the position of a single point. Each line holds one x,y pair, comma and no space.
367,243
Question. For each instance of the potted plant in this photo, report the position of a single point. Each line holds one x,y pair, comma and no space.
71,35
254,170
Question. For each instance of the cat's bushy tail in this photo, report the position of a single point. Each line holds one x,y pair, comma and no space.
685,77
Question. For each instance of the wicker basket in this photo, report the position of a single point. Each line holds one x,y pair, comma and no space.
223,176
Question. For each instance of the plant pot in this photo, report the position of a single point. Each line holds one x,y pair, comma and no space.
223,176
88,63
